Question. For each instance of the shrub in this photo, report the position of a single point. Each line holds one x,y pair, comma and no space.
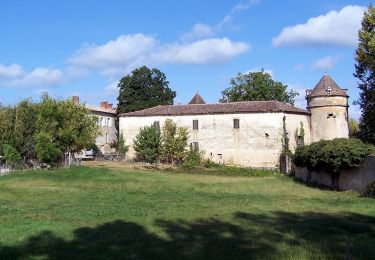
333,155
194,158
11,154
46,150
369,192
147,144
174,143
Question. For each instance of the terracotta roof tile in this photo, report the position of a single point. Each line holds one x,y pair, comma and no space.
221,108
326,86
197,99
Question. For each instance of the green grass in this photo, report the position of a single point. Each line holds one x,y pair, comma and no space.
126,213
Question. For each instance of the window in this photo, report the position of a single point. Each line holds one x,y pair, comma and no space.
106,138
267,135
109,121
328,90
157,124
101,121
194,146
236,123
195,124
331,115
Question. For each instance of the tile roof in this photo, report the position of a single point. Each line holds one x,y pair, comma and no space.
100,109
221,108
325,83
197,99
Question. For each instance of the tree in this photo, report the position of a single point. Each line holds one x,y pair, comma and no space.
7,118
174,142
147,144
257,86
365,72
122,149
353,128
144,88
24,128
11,154
47,151
69,126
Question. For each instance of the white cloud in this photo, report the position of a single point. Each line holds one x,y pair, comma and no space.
202,30
130,51
199,31
336,28
112,89
208,51
15,76
325,63
114,56
240,7
11,71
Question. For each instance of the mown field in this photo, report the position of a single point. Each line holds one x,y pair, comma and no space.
99,212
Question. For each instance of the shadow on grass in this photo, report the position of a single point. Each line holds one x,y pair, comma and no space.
279,235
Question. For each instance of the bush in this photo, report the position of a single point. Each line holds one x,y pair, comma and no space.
194,158
46,150
147,144
333,155
11,154
369,192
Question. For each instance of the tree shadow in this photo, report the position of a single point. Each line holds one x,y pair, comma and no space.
246,236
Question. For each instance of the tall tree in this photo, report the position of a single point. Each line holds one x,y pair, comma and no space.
365,72
144,88
24,128
68,126
257,86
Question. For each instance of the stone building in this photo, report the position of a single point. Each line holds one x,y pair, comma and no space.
107,116
249,133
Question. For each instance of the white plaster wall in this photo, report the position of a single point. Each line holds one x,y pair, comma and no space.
324,127
247,146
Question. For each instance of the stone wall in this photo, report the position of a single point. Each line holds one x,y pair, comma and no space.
352,179
257,143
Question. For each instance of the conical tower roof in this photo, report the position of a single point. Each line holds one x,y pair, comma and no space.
326,87
197,99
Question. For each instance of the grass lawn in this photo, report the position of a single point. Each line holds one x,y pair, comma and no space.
126,213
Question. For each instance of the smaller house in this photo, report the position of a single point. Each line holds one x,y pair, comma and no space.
107,117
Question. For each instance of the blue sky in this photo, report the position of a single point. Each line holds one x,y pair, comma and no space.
84,47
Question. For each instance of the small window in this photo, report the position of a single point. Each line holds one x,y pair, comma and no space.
102,121
331,115
194,146
266,135
106,138
328,90
236,123
109,121
195,124
157,124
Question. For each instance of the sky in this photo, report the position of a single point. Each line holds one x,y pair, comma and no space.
84,48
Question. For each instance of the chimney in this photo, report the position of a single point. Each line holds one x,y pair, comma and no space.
109,106
103,104
76,100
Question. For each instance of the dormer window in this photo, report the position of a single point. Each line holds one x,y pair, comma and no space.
328,90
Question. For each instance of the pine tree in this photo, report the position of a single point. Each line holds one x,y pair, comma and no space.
365,72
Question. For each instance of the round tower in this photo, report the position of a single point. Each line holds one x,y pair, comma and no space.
328,105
